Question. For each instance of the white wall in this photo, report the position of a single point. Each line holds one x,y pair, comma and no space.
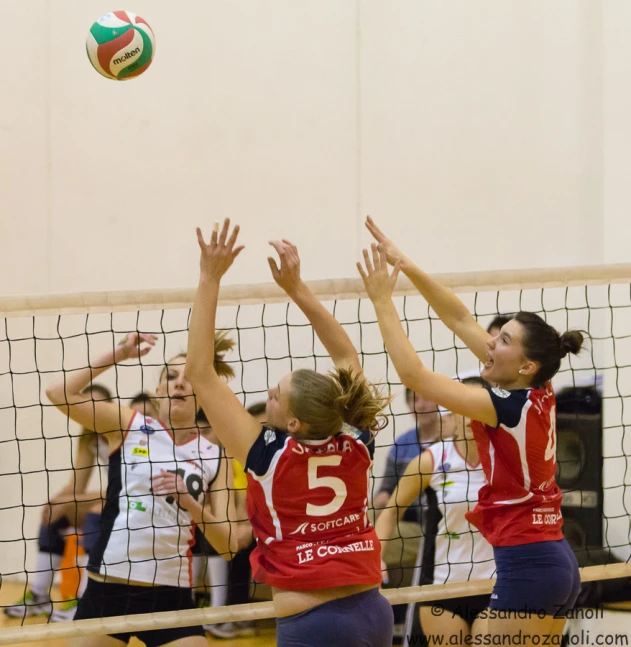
456,123
483,135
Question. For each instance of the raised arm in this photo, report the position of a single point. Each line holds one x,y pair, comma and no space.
452,312
235,427
328,329
102,417
469,401
415,480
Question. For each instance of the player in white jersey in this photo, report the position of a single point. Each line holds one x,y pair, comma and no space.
164,480
91,526
456,551
69,508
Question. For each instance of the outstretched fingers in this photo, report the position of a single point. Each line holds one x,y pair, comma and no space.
376,258
200,238
223,236
369,266
272,265
280,248
374,230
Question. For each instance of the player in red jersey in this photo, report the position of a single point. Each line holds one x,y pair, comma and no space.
518,510
308,470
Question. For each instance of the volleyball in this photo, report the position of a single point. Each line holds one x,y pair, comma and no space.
121,45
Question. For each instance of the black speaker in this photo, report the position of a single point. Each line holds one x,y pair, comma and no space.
580,466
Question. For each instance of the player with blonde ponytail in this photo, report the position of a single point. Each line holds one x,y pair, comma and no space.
307,469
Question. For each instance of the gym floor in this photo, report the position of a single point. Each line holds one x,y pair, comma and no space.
10,592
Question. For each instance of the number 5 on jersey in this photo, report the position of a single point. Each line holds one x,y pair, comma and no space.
331,482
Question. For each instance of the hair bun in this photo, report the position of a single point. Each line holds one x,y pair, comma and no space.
571,342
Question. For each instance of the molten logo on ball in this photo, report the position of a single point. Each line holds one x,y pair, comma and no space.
121,45
118,61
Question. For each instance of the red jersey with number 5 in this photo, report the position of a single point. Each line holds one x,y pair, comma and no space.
308,504
521,502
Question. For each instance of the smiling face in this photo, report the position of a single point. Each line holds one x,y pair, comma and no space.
175,394
277,412
507,366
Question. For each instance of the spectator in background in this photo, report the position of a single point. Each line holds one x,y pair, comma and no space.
496,325
454,551
426,431
400,556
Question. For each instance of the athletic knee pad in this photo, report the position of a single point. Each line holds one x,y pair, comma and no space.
91,530
50,538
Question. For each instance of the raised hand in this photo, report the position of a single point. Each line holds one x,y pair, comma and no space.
377,280
393,254
217,257
288,275
132,346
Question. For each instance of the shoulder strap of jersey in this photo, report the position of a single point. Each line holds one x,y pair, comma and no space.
262,452
508,405
365,437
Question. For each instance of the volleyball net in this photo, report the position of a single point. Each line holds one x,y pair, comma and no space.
43,337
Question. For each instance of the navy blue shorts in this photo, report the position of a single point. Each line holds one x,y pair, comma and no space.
541,578
362,620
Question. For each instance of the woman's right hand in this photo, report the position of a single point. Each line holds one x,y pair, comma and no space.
379,283
217,257
393,254
131,346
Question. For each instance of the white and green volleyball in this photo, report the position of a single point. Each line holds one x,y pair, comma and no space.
121,45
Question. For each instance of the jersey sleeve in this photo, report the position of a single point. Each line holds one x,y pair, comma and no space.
508,405
365,437
264,449
436,477
368,440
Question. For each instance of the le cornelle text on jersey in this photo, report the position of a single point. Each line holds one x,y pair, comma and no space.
306,551
324,550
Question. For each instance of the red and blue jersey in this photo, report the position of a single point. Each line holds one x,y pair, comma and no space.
308,505
521,501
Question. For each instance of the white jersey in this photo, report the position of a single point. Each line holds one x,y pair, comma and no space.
102,450
461,552
147,538
103,461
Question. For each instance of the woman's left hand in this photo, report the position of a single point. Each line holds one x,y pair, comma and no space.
288,275
217,257
170,485
378,282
